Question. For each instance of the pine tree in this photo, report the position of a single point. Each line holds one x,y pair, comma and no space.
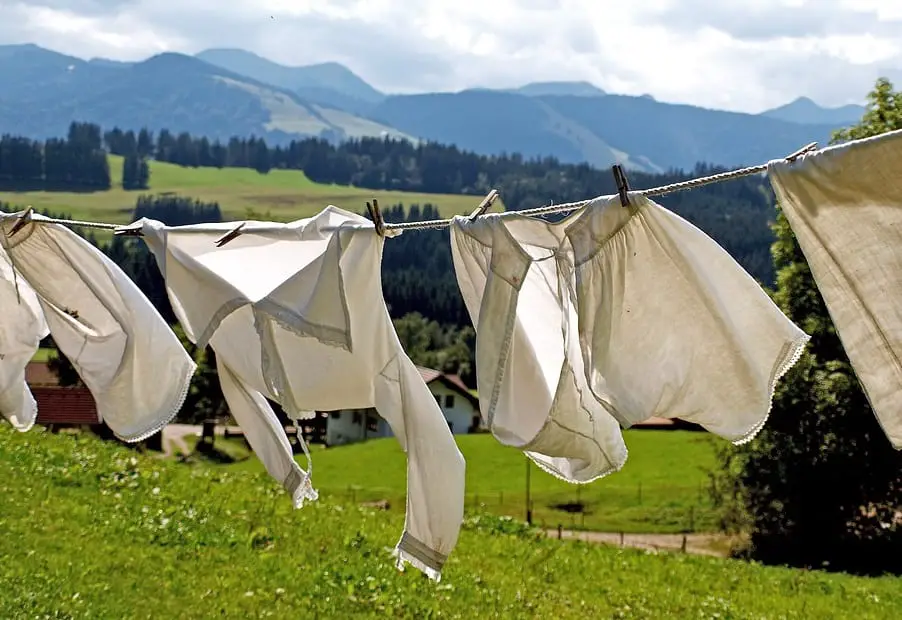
821,486
130,171
143,176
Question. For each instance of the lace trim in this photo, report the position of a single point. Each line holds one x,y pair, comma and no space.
299,326
613,469
218,317
420,556
305,489
168,411
298,484
794,352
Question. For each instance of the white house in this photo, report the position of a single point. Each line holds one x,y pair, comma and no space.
460,407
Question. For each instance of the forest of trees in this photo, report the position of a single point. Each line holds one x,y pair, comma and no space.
76,162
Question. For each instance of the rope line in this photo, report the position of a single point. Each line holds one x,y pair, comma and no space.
544,210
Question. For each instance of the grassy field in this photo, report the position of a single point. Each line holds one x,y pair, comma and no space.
284,194
661,489
91,529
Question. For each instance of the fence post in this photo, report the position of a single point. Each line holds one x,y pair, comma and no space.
560,531
621,539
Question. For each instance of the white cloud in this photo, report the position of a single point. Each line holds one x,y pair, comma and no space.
704,52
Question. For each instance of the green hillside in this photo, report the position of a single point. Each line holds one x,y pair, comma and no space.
91,529
284,194
662,488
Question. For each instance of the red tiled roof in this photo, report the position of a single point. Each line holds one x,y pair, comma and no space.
65,405
453,381
456,380
429,375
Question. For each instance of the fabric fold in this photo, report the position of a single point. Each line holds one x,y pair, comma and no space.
22,328
128,357
610,317
844,205
672,326
295,313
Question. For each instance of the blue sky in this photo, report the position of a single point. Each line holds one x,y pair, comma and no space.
714,53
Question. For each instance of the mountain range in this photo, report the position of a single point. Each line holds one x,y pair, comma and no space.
224,92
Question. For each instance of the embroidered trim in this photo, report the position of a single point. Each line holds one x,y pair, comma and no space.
788,358
419,555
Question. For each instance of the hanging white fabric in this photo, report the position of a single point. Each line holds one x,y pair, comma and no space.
614,315
128,357
844,205
515,275
22,327
295,312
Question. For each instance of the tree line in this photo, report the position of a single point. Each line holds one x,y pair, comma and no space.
77,161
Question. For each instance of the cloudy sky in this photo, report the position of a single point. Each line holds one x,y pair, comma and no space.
704,52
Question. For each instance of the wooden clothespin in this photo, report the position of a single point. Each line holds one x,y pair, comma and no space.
805,149
376,216
21,221
623,185
132,230
485,204
229,236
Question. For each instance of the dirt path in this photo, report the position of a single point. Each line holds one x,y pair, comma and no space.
714,545
174,438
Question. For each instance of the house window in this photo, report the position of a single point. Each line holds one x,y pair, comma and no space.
449,401
335,414
357,418
372,423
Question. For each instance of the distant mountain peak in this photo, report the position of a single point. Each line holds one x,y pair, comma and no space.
806,111
324,81
573,89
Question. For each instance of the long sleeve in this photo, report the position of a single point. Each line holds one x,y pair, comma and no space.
22,327
257,419
435,466
133,363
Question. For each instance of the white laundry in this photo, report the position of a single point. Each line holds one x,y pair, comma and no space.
515,275
844,205
22,327
295,313
634,306
128,357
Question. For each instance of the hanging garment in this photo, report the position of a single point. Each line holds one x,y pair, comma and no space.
22,327
123,350
614,315
844,205
295,313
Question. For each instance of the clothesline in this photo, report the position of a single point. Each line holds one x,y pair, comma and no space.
544,210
